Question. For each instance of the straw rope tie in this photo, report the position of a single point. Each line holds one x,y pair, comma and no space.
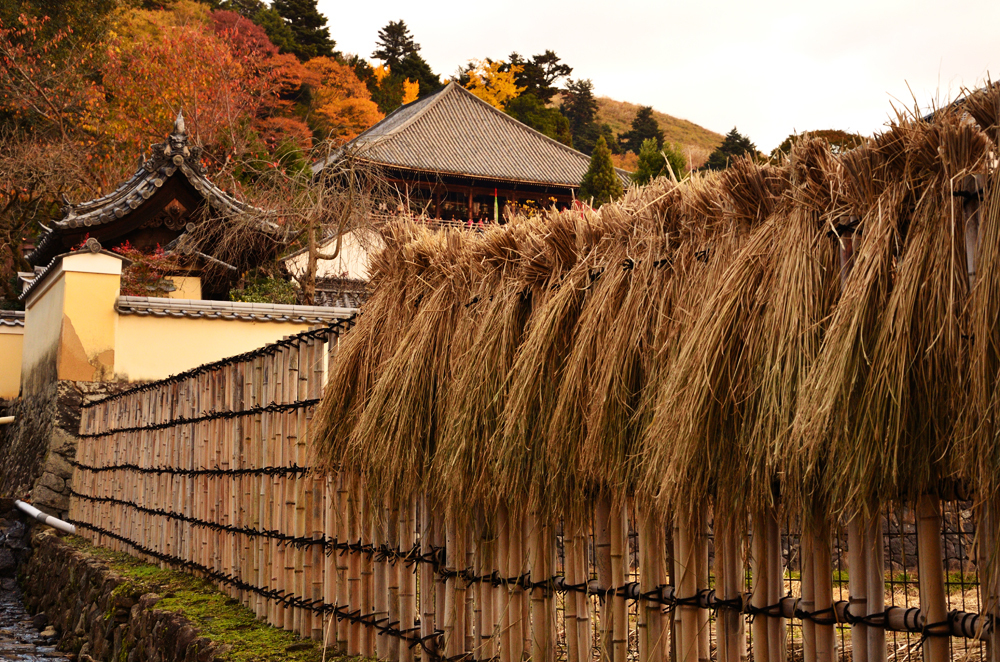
173,471
273,408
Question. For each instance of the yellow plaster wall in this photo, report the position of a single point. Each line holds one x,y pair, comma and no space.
156,347
87,350
185,287
11,343
42,328
70,321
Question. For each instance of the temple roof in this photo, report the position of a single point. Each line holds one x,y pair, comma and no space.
170,158
453,132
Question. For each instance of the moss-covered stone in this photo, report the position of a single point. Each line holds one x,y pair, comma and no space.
112,608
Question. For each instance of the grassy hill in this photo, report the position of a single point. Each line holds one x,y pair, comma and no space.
696,142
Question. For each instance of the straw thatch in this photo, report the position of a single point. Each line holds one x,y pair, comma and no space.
693,340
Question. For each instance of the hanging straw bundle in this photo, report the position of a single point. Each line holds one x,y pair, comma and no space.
694,440
499,310
617,261
358,362
396,432
517,455
886,389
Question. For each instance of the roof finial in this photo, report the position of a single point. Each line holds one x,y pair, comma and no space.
179,129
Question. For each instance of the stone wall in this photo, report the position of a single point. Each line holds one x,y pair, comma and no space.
36,450
99,615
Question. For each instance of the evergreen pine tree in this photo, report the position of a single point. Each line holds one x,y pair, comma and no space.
653,162
733,145
278,31
528,109
415,68
580,108
394,43
601,183
644,127
538,75
312,37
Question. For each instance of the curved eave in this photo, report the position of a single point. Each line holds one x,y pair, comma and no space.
468,175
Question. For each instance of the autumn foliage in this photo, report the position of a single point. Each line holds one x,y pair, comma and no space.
342,103
494,82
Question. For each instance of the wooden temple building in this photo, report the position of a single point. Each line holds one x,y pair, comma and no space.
168,202
453,157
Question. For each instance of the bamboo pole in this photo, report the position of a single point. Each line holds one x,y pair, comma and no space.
874,551
729,586
652,575
857,567
504,597
454,604
759,590
428,592
826,643
343,560
775,574
392,571
381,597
618,526
542,636
701,560
408,578
686,572
583,627
484,600
367,577
519,623
570,568
930,576
470,536
353,567
806,548
602,564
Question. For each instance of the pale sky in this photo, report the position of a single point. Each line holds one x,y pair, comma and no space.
768,67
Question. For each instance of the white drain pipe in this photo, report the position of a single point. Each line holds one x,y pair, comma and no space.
6,420
45,519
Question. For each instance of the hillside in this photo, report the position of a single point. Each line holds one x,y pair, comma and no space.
696,142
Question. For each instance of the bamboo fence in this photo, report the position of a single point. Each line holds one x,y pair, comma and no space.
708,422
209,473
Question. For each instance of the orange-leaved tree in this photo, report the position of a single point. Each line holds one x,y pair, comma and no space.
494,82
342,105
162,65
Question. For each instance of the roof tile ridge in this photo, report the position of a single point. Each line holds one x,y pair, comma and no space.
429,102
523,126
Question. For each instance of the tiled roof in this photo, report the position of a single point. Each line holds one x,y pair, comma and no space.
31,280
454,132
170,157
11,318
230,310
340,293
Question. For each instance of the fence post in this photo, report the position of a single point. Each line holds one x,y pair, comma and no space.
857,567
602,563
874,550
729,586
408,577
428,592
652,575
930,578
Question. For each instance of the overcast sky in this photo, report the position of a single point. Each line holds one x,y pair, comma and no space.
768,67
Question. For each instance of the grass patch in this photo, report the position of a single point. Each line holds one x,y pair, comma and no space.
217,616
